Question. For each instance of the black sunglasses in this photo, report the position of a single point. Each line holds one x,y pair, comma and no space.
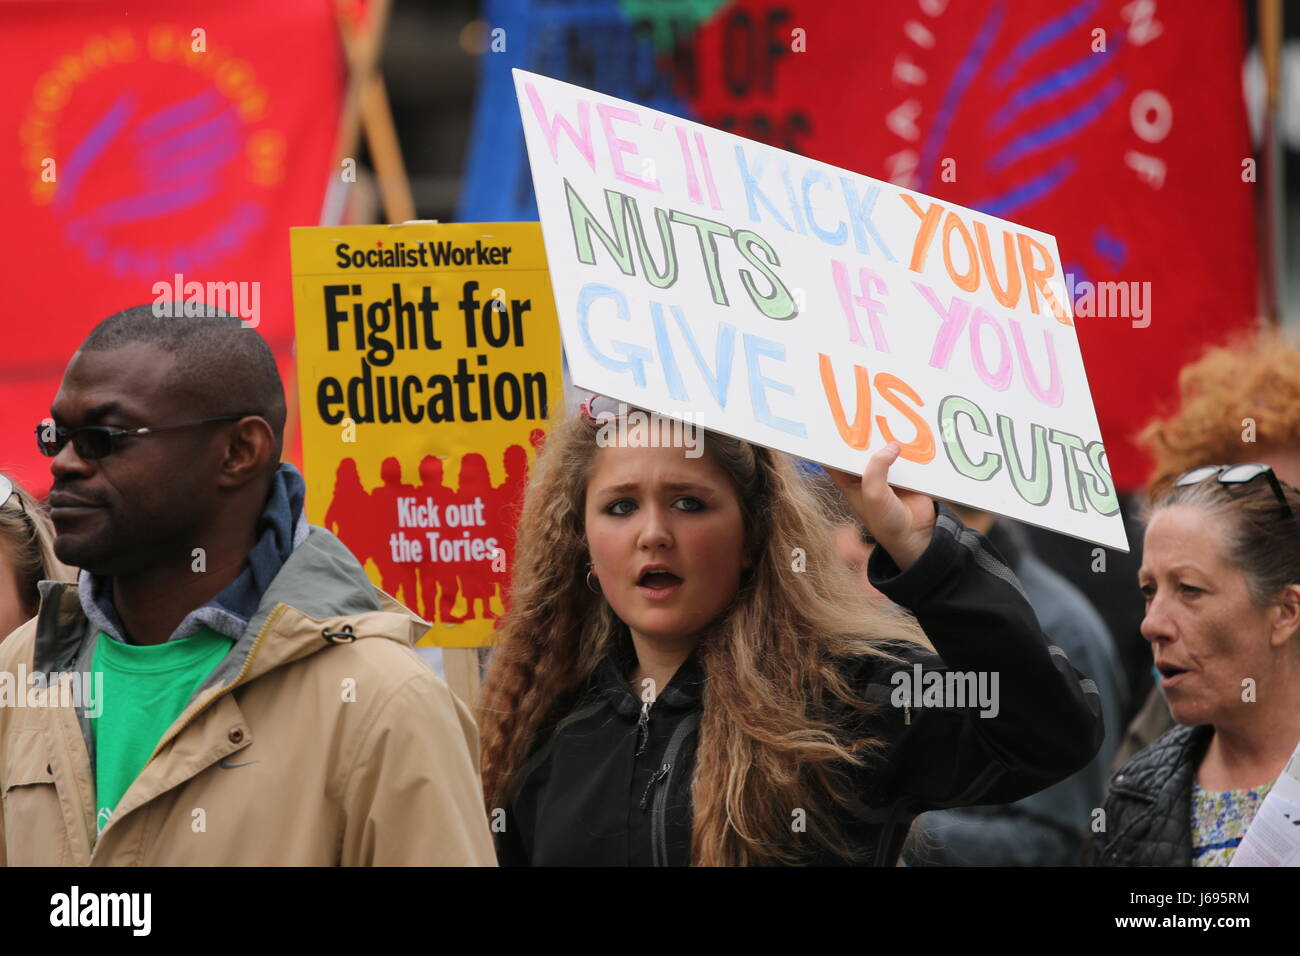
99,441
1237,475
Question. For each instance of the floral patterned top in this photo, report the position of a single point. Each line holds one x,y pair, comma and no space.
1220,820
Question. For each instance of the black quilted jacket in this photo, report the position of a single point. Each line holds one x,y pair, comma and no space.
1149,809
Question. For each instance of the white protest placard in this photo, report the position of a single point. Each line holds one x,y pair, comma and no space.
1273,837
796,305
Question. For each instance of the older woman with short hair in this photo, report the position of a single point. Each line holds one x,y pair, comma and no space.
1221,578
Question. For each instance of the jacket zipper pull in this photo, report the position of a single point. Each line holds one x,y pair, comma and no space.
643,728
654,779
907,714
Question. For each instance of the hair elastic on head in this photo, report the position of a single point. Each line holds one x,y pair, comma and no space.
600,416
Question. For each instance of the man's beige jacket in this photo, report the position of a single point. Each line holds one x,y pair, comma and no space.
321,739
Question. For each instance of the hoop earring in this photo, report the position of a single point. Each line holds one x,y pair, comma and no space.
596,589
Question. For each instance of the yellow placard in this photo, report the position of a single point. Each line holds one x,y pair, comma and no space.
428,366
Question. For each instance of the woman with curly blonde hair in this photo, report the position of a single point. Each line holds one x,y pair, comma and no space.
688,674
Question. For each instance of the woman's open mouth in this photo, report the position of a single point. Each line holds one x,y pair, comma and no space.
658,585
1170,674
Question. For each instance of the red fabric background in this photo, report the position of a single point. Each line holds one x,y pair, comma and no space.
201,163
978,75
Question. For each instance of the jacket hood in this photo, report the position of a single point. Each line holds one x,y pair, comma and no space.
312,603
320,590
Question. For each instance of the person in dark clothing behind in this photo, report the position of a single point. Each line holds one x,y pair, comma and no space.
689,675
1221,579
1046,828
1104,576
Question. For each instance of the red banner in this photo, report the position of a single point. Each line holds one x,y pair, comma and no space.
1116,125
156,153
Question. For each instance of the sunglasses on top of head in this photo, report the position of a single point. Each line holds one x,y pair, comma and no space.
1236,475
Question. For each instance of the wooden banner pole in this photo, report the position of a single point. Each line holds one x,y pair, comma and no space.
1271,212
365,104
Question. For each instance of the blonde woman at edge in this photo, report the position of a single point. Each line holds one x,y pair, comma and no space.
26,555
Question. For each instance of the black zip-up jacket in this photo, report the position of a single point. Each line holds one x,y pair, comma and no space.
609,784
1148,818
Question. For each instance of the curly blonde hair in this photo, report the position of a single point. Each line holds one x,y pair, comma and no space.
1254,379
27,537
773,660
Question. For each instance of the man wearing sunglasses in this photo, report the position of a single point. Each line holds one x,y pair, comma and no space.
258,699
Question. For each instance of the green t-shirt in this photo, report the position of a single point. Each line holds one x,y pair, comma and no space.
145,688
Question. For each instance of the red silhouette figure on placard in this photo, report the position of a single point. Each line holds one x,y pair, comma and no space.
435,574
396,575
474,496
350,514
508,502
